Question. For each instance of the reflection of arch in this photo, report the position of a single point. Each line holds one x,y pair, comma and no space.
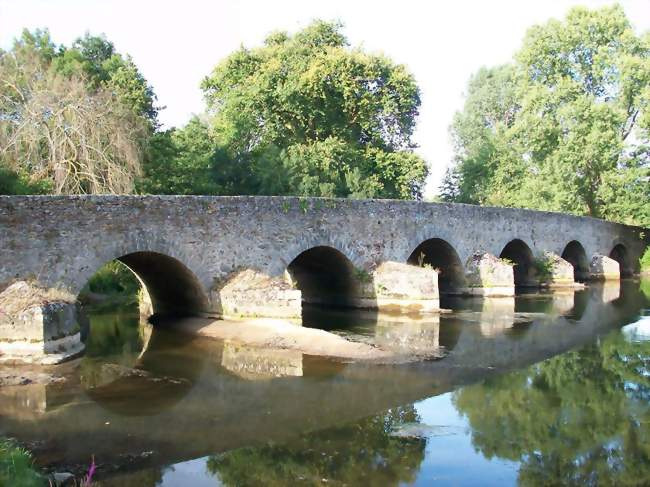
574,253
520,254
173,288
620,254
443,257
162,375
323,275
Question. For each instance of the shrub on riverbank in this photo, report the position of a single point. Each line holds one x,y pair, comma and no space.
17,466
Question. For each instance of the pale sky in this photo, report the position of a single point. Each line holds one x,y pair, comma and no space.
177,43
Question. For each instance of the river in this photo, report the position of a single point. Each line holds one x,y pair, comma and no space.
543,389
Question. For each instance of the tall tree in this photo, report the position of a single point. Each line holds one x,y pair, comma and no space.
66,127
571,132
306,115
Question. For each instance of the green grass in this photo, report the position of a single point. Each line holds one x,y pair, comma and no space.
17,467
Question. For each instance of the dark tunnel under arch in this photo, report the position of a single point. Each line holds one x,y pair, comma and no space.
172,286
520,254
574,253
621,255
440,255
324,275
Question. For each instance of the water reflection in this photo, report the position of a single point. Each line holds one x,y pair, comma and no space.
582,418
256,363
319,418
363,453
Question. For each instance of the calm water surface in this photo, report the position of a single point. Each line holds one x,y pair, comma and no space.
544,389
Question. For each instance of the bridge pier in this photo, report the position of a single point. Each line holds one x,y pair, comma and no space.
556,271
487,275
603,268
38,325
249,294
397,287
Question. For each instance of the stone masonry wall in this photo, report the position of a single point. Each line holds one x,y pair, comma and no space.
62,240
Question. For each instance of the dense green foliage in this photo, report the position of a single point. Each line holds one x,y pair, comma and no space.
72,120
306,115
565,127
364,453
17,467
113,278
581,418
302,115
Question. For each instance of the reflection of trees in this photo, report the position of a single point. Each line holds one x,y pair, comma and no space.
582,418
114,334
363,453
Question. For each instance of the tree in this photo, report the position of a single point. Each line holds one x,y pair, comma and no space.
71,120
95,59
305,115
180,161
565,127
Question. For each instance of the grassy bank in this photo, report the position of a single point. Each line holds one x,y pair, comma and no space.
17,467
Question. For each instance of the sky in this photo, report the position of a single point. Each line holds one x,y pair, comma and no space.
177,43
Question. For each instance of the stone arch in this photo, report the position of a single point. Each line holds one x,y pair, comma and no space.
440,255
621,255
574,253
520,254
173,288
324,275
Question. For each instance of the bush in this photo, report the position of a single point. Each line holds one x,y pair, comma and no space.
17,466
113,278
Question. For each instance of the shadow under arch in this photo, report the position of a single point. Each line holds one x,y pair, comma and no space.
171,285
520,254
574,253
621,255
324,275
440,255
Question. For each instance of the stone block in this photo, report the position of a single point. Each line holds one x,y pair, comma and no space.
249,293
401,287
604,268
37,325
559,271
487,275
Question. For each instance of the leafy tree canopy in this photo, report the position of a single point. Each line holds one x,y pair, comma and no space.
72,120
563,128
306,115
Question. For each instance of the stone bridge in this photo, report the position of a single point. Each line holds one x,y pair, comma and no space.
266,256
